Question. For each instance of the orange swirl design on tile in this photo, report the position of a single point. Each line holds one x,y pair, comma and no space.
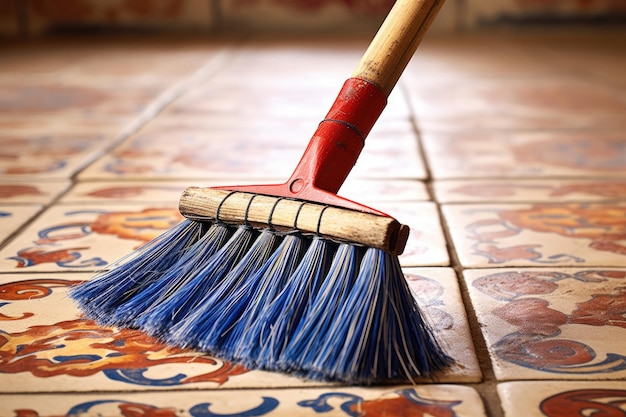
81,348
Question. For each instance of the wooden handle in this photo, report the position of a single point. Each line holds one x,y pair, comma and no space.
396,41
262,211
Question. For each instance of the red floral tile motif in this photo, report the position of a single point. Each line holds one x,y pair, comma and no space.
566,324
563,398
570,403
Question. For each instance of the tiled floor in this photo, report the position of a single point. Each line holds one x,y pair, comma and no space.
505,153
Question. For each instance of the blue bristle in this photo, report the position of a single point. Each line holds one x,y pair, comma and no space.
174,277
265,336
316,324
308,306
240,308
174,306
196,327
372,331
134,274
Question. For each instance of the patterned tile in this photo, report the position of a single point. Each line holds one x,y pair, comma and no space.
46,155
203,153
45,348
437,291
566,234
547,104
169,191
552,323
514,154
418,400
12,217
85,237
526,190
426,245
31,192
116,192
88,237
563,398
72,98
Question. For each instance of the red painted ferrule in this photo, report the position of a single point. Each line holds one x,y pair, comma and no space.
340,137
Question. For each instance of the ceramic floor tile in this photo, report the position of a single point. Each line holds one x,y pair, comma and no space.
12,217
558,103
72,98
117,192
439,297
85,237
426,245
197,155
200,154
551,323
40,321
548,96
566,234
459,124
563,398
31,191
46,156
45,348
515,154
364,191
418,400
529,190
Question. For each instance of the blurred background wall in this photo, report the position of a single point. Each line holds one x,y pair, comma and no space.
40,17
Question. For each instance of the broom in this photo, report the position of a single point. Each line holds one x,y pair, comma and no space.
290,277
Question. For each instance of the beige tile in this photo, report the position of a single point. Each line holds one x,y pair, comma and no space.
517,154
555,399
551,323
438,294
426,245
119,192
564,234
361,190
547,103
526,190
31,191
12,217
418,400
72,98
37,315
194,154
202,154
85,237
48,347
48,155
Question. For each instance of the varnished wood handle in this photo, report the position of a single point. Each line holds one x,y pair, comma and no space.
381,232
396,41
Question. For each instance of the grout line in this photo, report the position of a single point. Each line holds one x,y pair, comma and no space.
487,386
154,108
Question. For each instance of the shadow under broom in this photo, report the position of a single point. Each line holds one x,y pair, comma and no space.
290,277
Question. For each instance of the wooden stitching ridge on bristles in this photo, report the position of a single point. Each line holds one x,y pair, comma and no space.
283,214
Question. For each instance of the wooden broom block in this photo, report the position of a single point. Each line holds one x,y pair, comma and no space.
262,211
